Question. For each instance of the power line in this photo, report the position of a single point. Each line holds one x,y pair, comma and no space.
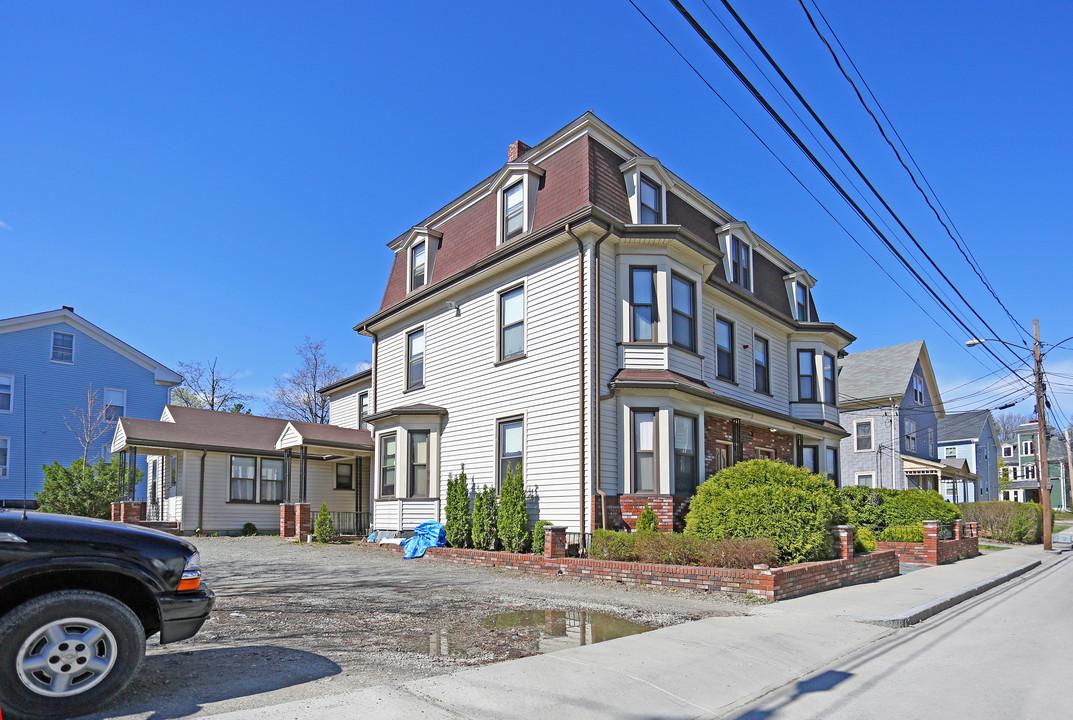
961,245
827,175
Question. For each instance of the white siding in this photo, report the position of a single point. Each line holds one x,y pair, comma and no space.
610,331
343,408
644,357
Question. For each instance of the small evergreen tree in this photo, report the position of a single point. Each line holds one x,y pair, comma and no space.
457,511
83,489
538,536
512,524
485,510
324,528
646,521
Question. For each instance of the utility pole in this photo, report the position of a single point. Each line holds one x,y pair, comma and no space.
1041,449
1069,465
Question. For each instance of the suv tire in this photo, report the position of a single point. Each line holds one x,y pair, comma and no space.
47,671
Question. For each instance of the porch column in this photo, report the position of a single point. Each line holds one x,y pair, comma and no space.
302,456
287,475
132,477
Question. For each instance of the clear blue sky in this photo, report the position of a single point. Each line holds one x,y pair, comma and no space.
220,179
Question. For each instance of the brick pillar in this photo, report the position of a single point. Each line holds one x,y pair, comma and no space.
303,520
116,512
957,530
554,541
931,540
974,529
128,511
843,535
286,520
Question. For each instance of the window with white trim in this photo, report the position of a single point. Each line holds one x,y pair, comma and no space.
243,471
724,349
1030,471
271,480
918,390
950,452
642,304
801,301
864,479
1007,451
806,375
344,476
115,403
415,359
63,347
512,323
363,410
910,435
418,264
765,454
721,455
644,451
387,465
832,465
418,463
830,393
809,457
863,436
651,205
510,444
514,210
5,443
1028,447
7,393
741,273
685,454
761,373
683,316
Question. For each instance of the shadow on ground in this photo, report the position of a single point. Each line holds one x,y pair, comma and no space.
176,685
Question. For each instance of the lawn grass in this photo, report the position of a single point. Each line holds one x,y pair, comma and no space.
993,547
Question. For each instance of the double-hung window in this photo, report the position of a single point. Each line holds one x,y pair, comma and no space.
651,207
642,304
801,301
685,454
415,359
862,432
271,480
512,323
243,471
829,393
918,389
514,210
762,372
63,347
644,451
865,479
1028,447
911,435
950,452
419,464
724,349
5,443
1007,451
809,455
387,466
1030,471
806,375
740,265
511,448
418,265
7,393
344,476
832,465
363,409
115,403
683,317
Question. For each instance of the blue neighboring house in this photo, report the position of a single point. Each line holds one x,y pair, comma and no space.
49,361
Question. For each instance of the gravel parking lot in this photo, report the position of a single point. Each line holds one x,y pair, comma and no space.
295,621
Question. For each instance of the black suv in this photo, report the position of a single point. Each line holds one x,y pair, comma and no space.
78,598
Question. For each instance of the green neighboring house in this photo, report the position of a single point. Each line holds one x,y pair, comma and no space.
1021,467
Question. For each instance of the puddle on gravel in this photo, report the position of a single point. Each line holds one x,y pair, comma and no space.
523,632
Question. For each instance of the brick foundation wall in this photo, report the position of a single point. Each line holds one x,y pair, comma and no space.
128,511
614,513
752,437
286,521
762,581
622,511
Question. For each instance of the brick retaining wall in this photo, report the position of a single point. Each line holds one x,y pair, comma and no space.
934,551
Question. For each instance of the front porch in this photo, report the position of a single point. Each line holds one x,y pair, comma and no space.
951,478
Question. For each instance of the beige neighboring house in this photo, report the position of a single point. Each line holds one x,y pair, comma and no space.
217,471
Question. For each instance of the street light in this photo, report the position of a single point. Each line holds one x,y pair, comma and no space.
1041,421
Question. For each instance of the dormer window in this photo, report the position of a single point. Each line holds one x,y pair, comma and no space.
918,390
801,302
651,205
513,211
740,263
417,265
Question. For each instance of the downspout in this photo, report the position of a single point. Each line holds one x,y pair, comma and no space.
580,377
893,450
372,375
201,494
594,339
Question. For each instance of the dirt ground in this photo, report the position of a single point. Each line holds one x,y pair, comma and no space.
294,621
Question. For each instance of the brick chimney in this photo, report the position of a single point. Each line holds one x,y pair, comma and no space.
516,150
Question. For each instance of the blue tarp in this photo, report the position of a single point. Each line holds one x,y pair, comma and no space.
428,534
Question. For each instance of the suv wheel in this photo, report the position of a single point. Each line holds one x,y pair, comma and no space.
66,653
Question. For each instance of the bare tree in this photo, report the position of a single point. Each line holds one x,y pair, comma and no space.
295,396
1008,422
207,388
89,423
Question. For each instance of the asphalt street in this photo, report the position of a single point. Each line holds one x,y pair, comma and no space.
1000,655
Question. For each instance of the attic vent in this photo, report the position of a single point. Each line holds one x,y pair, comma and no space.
516,150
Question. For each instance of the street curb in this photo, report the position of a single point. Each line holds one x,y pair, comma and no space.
936,606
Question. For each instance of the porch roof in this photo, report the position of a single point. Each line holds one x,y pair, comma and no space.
956,470
332,437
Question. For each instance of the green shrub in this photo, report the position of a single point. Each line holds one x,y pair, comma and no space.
902,533
485,510
457,512
678,549
249,529
881,507
538,536
512,522
864,540
83,489
1006,521
646,521
790,506
323,528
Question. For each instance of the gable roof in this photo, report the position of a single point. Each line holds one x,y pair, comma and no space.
357,377
963,426
883,373
162,374
193,429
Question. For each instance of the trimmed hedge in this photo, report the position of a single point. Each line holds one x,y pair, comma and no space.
881,507
790,506
1007,521
903,533
677,549
863,540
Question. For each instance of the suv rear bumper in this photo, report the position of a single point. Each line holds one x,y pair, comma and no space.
183,614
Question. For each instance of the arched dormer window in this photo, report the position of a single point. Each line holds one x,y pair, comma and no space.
516,187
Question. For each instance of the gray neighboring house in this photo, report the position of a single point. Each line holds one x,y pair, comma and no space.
890,403
973,436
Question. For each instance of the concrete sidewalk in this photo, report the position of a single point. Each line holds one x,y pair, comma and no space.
706,668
